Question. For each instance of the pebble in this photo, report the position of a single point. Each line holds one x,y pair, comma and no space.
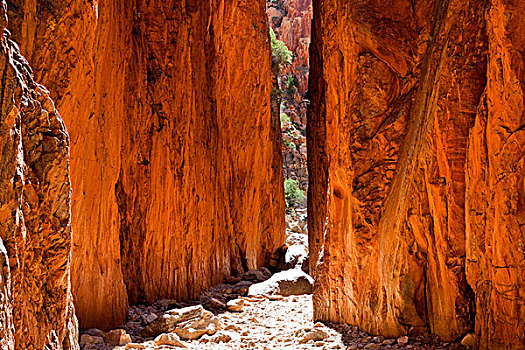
171,339
402,340
235,305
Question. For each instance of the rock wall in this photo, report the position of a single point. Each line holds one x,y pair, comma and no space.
175,178
415,137
36,308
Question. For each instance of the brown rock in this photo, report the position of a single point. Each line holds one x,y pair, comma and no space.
36,309
235,305
188,323
402,340
313,335
176,167
416,169
117,337
469,340
171,339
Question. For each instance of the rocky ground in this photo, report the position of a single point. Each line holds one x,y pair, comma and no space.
257,310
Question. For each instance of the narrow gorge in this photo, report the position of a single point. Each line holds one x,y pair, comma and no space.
154,154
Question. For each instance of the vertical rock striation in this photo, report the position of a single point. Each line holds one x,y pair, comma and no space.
36,308
416,169
176,170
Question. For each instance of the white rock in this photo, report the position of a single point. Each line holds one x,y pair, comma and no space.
289,282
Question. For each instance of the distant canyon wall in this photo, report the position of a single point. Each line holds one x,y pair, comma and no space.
417,183
175,162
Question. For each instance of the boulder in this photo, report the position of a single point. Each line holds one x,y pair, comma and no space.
188,323
289,282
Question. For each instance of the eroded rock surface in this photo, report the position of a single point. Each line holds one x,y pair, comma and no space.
176,165
36,308
416,167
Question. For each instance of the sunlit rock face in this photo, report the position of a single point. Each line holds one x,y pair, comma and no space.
176,167
36,305
416,143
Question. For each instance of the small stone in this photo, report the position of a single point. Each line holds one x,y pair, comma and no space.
231,279
95,332
373,346
117,337
235,305
315,335
389,342
378,339
150,318
169,339
135,346
469,340
274,297
86,339
215,304
225,337
402,340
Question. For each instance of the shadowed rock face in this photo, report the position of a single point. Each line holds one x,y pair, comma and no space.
416,167
176,171
36,308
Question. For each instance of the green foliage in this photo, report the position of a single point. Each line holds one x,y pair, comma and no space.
293,195
284,119
281,55
289,143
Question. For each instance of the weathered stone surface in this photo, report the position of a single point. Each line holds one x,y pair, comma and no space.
415,137
36,309
176,168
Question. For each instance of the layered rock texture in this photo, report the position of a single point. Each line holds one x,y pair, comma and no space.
36,308
416,142
176,167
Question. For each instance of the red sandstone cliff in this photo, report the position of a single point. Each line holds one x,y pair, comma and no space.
175,178
416,171
36,309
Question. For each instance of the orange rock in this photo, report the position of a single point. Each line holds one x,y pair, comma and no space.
36,308
176,168
416,168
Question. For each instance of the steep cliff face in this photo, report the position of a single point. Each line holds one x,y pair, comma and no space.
36,308
416,170
175,178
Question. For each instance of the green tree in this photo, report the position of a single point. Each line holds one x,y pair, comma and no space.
293,195
281,55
